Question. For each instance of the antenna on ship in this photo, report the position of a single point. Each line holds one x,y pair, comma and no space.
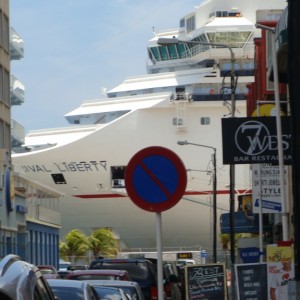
153,30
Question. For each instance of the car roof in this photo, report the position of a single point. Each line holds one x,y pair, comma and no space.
67,282
15,272
111,282
99,271
119,260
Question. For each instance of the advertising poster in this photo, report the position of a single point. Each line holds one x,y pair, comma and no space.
280,260
251,281
266,187
206,282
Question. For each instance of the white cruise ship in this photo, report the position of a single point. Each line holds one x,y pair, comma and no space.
183,97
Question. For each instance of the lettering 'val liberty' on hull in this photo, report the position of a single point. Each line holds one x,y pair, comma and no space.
67,167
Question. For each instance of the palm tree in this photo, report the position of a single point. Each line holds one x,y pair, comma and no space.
74,247
103,242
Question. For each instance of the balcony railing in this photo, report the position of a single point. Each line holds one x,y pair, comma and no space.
16,45
17,91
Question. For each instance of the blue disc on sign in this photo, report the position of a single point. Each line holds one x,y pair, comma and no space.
155,179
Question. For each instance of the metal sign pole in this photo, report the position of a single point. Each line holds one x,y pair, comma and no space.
159,256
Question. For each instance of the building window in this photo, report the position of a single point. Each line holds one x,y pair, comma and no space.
1,84
205,121
190,24
5,36
1,134
118,176
58,178
178,122
7,136
182,23
1,28
6,87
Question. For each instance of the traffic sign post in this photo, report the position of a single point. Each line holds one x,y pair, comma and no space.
155,180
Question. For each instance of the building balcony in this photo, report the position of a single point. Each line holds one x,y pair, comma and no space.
17,91
17,134
16,45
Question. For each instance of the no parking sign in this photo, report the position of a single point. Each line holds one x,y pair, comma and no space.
155,179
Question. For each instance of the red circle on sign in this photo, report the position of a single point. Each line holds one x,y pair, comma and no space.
137,161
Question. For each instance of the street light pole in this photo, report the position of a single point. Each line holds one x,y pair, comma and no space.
214,194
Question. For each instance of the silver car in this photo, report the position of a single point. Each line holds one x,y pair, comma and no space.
65,289
21,280
131,288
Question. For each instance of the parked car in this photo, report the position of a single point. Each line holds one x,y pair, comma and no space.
65,289
77,267
142,271
21,280
184,262
130,288
111,293
49,271
63,265
63,274
172,280
99,274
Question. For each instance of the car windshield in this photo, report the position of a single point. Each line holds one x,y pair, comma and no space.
106,293
67,293
63,266
131,291
138,271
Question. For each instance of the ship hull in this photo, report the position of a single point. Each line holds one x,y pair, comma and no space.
90,201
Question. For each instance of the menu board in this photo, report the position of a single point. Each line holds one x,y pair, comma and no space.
252,281
206,282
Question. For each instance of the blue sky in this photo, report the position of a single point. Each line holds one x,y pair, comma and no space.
73,48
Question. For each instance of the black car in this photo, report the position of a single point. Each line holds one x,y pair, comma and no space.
172,280
142,271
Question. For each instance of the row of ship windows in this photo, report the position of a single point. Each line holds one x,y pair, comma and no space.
190,23
186,50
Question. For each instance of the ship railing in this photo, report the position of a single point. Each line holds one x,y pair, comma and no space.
183,96
216,52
